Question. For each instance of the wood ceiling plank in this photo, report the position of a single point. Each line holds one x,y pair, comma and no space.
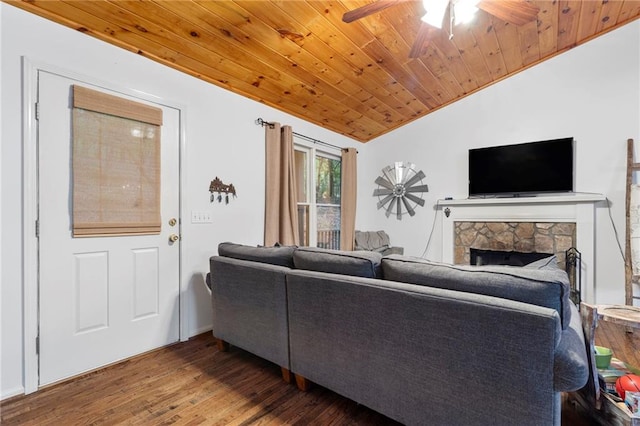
568,21
471,54
450,57
304,100
483,32
548,29
529,48
308,81
384,32
609,15
330,61
268,32
630,10
358,35
589,17
120,37
378,53
347,93
508,40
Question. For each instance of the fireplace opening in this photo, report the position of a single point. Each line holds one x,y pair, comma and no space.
496,257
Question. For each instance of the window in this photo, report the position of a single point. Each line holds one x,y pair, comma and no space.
318,180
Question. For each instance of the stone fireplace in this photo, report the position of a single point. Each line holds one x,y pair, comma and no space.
525,237
546,224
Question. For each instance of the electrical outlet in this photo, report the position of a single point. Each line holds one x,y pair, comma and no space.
201,216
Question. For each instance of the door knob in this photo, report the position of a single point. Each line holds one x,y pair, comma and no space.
173,238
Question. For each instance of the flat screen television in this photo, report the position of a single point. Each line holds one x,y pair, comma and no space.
522,169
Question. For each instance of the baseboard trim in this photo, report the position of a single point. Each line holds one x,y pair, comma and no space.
11,393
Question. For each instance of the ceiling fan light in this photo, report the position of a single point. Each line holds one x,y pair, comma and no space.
465,11
436,10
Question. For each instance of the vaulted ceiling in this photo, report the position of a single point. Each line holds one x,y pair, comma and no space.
354,78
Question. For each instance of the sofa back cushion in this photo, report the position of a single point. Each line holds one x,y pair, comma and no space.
547,286
278,255
359,264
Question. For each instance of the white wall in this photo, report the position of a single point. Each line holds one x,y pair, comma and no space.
221,140
591,93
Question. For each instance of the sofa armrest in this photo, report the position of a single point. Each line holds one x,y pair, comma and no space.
250,307
570,365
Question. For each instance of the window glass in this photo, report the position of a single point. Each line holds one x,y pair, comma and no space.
327,180
318,189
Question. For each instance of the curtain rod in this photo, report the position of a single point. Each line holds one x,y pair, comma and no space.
261,122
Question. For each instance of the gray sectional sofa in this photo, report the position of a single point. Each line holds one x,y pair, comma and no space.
424,343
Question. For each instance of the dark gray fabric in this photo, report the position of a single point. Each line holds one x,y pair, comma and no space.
355,263
278,255
548,287
249,303
550,262
571,366
422,355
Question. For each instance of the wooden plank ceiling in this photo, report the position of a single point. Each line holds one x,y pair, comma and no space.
354,78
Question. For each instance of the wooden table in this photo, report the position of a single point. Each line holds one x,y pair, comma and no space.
600,405
629,316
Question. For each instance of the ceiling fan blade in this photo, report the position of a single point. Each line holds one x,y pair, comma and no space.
383,182
367,10
415,199
384,201
513,12
399,210
415,178
381,191
410,209
419,188
422,40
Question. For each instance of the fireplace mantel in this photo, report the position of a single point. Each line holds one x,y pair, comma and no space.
578,208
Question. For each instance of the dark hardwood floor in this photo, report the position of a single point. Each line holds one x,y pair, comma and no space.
192,383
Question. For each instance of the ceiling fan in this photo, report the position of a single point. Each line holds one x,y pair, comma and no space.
516,12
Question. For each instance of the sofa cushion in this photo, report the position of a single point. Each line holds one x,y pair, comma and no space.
548,287
359,264
277,255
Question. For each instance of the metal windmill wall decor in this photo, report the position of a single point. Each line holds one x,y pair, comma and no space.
398,187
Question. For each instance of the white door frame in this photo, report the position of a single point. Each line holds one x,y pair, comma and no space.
30,246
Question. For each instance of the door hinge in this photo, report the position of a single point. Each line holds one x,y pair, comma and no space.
38,345
37,229
37,110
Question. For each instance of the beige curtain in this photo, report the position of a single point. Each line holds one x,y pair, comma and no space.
116,165
348,198
281,209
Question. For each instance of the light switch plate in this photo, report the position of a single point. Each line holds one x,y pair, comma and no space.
201,216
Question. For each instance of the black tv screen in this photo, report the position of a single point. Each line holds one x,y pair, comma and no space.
528,168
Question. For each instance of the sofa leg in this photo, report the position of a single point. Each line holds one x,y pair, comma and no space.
286,374
302,383
222,345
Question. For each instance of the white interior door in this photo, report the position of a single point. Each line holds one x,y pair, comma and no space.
101,299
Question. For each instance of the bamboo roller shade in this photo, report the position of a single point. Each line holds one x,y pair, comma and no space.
116,165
